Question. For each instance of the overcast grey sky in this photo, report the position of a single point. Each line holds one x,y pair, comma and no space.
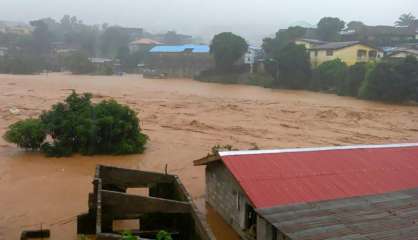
194,16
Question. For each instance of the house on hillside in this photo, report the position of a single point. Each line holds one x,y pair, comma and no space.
347,192
142,44
348,52
179,60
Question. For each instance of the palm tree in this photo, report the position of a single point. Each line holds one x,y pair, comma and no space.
405,20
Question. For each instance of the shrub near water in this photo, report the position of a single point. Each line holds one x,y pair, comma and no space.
28,134
78,126
392,81
330,75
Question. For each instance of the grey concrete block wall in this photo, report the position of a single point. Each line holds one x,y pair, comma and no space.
222,191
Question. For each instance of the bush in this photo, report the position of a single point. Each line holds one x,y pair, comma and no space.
294,69
330,75
28,134
392,81
353,79
78,126
163,235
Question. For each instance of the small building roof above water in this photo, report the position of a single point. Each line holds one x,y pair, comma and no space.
272,178
180,48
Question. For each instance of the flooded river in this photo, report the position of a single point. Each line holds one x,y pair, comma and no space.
184,119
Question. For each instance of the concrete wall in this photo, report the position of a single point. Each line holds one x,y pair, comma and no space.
225,196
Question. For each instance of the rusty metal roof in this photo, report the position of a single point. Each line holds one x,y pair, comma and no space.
290,176
388,216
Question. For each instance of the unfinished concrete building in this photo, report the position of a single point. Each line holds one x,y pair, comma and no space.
167,207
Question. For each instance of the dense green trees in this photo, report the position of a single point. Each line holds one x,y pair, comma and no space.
405,20
21,64
79,63
392,81
329,75
79,126
226,49
353,79
329,28
272,46
294,69
27,134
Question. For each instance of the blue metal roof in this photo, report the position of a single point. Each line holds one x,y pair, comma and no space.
180,48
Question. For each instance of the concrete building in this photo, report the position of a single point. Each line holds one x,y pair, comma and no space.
348,52
348,192
179,60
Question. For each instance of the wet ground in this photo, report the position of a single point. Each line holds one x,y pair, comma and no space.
184,119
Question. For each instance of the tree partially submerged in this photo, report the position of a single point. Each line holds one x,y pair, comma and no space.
27,134
79,126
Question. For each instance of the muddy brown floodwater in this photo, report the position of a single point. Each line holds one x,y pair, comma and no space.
184,119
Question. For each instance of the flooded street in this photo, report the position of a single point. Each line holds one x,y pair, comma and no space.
184,119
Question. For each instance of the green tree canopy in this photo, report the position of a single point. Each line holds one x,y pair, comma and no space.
392,81
79,63
353,79
355,25
79,126
294,69
405,20
329,28
112,40
330,75
227,48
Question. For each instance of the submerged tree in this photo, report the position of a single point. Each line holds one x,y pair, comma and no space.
79,126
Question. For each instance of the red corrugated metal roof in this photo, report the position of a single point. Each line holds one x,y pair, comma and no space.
287,177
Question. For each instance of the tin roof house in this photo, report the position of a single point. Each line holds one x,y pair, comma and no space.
350,192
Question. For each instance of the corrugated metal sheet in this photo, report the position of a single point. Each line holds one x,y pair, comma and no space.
282,178
180,48
389,216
